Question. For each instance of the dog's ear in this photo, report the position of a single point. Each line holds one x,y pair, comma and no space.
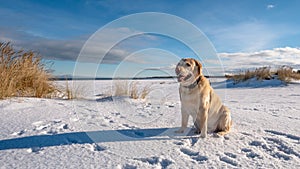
199,66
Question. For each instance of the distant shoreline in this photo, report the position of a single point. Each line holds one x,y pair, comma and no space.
121,78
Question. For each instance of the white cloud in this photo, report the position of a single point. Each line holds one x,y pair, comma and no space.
270,6
275,57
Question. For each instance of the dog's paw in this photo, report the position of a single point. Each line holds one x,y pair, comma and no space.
217,135
203,135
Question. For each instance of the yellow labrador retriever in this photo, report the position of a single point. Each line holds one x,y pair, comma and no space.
199,101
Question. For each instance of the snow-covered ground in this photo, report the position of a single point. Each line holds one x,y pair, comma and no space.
99,131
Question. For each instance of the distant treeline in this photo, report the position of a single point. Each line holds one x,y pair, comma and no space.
122,78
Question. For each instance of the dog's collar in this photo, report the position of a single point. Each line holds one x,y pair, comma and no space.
195,83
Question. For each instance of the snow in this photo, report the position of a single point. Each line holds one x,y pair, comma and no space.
254,83
98,131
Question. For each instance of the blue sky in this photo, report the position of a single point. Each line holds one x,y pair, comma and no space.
245,34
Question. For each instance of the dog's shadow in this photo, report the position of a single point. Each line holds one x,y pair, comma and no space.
41,141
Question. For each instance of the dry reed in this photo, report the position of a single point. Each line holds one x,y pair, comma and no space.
124,88
285,74
22,73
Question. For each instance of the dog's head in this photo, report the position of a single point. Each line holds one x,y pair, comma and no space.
187,70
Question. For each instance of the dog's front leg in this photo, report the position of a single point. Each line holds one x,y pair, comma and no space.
184,121
203,123
203,114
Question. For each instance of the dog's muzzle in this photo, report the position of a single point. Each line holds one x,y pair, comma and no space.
180,76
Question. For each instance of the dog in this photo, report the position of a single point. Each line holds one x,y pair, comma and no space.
199,100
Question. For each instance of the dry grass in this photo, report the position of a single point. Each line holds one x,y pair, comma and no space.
22,73
133,90
121,88
69,94
70,90
124,88
145,91
284,73
243,76
73,92
262,73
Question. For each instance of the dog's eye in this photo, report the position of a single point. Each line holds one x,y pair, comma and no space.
188,65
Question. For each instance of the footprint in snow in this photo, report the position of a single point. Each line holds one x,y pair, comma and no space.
195,156
129,126
127,166
50,127
179,143
250,153
182,142
34,150
276,148
231,155
37,123
19,133
63,127
229,158
116,114
162,162
290,136
95,147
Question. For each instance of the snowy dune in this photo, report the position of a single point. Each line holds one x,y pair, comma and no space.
104,132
